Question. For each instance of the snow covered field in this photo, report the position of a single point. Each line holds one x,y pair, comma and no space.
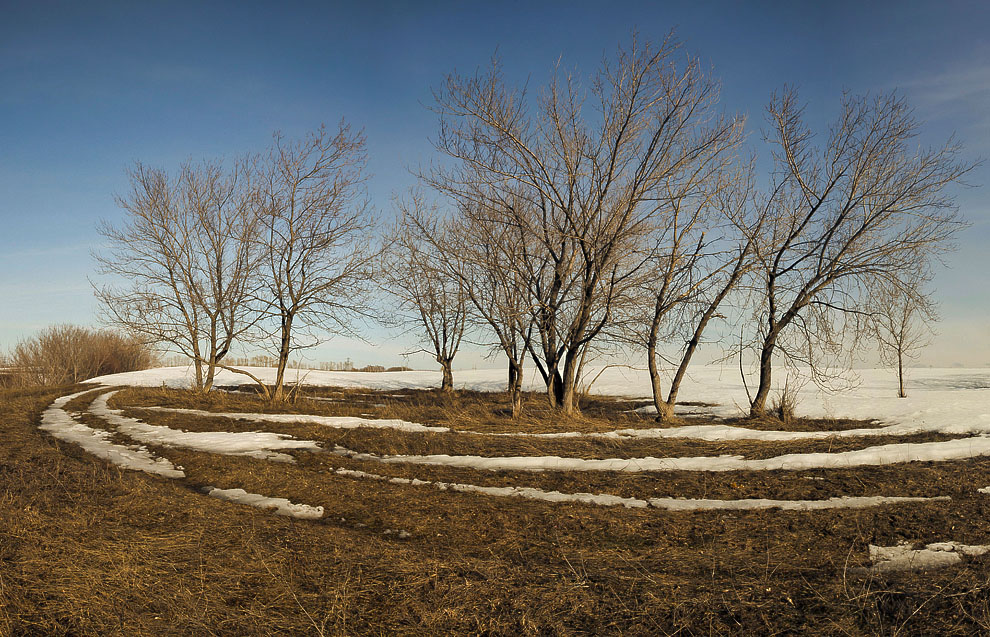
938,399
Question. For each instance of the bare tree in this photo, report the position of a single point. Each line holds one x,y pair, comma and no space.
498,294
694,259
184,261
316,241
901,320
864,208
582,189
431,300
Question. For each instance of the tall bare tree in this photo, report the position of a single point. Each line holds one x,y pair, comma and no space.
498,294
316,240
864,208
582,188
425,282
184,260
901,320
694,258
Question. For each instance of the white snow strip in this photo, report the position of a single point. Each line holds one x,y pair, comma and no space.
64,426
870,456
951,401
282,506
694,432
255,444
669,504
338,422
984,490
844,502
903,557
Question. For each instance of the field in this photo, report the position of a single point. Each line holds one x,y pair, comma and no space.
408,511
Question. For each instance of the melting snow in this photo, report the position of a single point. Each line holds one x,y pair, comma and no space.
64,426
670,504
282,506
255,444
338,422
870,456
903,557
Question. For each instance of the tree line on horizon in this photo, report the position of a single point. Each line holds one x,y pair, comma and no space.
619,211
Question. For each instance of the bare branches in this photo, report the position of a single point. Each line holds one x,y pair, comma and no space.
67,354
901,320
185,259
421,271
865,209
315,240
582,192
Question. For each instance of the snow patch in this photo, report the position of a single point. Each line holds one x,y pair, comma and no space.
337,422
902,557
870,456
64,426
282,506
254,444
844,502
669,504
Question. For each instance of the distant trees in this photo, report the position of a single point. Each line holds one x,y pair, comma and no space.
901,318
68,354
864,209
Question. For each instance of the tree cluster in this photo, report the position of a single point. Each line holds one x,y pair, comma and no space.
618,212
274,250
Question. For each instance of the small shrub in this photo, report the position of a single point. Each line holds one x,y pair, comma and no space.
784,406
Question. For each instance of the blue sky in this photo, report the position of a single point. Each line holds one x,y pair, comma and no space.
88,88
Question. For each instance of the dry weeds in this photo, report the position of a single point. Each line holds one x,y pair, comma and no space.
86,548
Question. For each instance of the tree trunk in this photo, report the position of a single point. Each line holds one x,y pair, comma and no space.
651,358
515,388
198,363
675,383
759,406
665,411
565,401
278,394
447,384
555,388
900,375
211,370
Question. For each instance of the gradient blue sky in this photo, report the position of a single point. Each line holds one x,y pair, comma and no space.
87,88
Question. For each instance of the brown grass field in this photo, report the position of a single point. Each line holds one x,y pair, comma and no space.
89,549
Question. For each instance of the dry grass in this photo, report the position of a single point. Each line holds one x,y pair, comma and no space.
88,549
